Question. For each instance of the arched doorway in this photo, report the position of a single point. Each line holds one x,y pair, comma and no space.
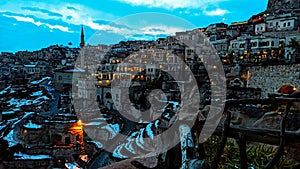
108,95
98,99
67,140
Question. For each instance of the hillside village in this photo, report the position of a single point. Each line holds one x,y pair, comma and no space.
50,99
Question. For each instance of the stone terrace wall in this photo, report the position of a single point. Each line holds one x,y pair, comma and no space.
282,34
271,78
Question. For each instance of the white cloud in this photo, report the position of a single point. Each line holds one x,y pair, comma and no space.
24,19
160,29
86,16
81,16
188,5
217,12
173,4
37,23
62,28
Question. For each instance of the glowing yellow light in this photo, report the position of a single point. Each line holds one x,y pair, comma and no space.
295,89
25,132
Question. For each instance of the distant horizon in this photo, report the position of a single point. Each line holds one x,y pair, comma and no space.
34,25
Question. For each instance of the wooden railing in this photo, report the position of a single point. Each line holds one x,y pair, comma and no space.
281,137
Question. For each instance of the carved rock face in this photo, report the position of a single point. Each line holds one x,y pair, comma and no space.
276,5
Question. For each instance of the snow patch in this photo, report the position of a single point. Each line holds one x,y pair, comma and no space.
5,90
31,125
117,152
98,144
149,131
31,157
38,93
114,129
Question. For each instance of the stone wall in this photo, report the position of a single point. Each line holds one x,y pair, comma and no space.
271,78
283,34
23,164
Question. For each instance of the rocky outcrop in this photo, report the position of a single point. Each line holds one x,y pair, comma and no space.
275,6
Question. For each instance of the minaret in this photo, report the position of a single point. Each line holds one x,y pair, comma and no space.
82,38
82,62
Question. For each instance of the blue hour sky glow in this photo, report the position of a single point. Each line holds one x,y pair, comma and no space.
31,25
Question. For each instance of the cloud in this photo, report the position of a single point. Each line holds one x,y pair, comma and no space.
36,9
156,30
173,4
70,13
217,12
62,28
57,16
66,17
72,8
160,29
69,17
38,23
24,19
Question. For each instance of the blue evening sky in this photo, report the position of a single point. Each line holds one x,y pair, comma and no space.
32,25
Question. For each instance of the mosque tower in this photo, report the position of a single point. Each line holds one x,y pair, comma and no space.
82,43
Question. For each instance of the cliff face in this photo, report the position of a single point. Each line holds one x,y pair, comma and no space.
275,6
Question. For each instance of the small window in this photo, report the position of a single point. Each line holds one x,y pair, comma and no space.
272,43
108,95
284,25
254,44
59,78
289,24
271,23
276,23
